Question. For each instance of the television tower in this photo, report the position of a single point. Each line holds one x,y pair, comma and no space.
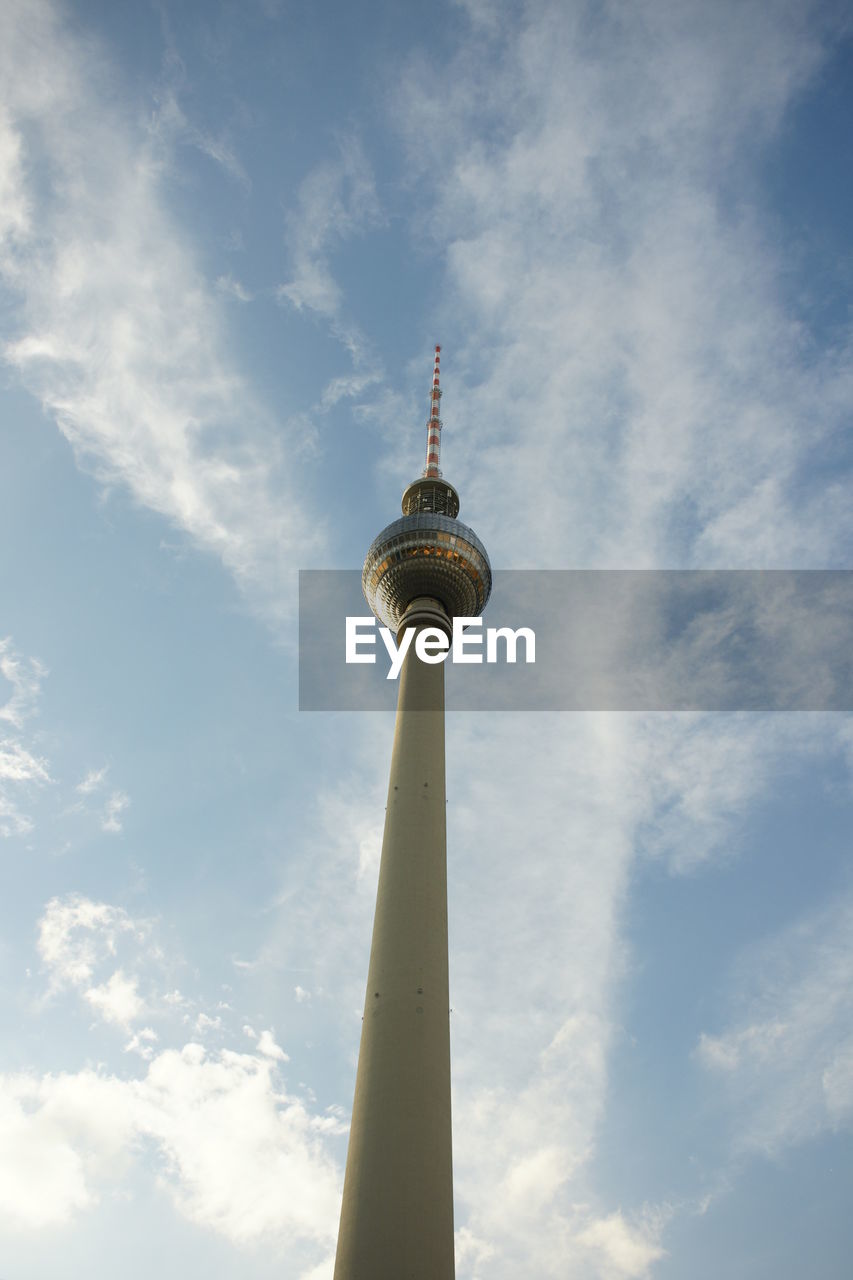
397,1213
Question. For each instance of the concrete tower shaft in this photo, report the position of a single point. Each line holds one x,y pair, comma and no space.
397,1211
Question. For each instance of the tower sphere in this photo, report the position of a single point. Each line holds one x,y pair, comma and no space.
428,554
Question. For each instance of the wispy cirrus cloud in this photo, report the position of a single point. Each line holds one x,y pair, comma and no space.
636,386
21,766
697,778
115,331
615,292
232,288
785,1062
540,854
17,764
549,819
113,809
336,202
596,389
25,676
92,781
633,383
171,119
114,964
115,804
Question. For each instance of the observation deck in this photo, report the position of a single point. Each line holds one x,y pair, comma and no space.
430,555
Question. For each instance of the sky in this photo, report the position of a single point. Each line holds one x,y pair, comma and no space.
230,236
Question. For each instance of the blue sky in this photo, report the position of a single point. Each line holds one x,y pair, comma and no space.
229,237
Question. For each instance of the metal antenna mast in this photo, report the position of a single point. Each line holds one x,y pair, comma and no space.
434,422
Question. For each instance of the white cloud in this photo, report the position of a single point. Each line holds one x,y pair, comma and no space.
80,942
633,381
540,821
23,767
117,333
116,1000
20,765
699,776
115,806
322,1271
268,1047
471,1251
142,1042
837,1085
25,677
77,934
247,1158
633,386
348,386
170,123
539,829
92,780
14,205
12,821
633,366
233,288
236,1153
42,1175
786,1068
621,1249
17,764
205,1023
540,852
625,344
336,201
546,816
332,876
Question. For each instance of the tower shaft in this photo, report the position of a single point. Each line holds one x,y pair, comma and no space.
397,1212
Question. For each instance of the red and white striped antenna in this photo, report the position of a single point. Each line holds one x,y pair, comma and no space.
434,423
